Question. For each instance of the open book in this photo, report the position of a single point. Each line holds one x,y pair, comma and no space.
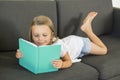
38,59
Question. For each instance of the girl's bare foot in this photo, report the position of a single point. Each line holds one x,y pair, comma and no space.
86,26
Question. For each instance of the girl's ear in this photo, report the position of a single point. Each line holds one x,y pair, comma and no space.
53,35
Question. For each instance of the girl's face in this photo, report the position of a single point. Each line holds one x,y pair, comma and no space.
42,35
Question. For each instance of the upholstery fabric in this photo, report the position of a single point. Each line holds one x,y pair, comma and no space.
16,18
11,70
109,64
72,13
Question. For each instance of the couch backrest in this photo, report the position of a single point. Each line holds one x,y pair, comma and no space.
16,17
72,12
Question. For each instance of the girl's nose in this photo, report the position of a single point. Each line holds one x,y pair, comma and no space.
40,38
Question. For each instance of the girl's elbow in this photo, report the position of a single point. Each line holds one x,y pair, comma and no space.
70,63
105,51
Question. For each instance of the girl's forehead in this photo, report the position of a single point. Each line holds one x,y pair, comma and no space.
41,28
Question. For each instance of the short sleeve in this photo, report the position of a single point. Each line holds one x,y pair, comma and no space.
64,48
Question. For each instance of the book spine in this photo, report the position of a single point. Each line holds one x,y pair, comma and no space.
37,61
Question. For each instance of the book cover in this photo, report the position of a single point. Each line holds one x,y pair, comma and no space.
38,59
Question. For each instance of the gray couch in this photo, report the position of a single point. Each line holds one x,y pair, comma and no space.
15,19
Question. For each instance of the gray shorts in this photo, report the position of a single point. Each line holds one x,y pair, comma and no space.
86,48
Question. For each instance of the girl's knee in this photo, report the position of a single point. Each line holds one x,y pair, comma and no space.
105,50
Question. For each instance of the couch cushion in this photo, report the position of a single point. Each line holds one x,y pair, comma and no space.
116,20
108,65
16,17
10,70
72,12
115,78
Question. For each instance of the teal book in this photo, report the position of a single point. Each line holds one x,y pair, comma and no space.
38,59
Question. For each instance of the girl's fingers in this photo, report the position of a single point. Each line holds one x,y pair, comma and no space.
57,63
19,54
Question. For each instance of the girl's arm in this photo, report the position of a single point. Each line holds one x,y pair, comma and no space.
64,62
19,54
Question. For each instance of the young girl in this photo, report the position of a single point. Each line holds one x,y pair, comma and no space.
72,47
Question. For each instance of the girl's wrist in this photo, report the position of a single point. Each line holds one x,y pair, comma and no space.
61,64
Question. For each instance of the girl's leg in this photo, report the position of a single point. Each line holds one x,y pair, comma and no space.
97,46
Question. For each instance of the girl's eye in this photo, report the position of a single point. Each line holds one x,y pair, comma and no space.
36,35
44,35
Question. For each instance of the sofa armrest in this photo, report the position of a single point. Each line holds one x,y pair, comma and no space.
116,21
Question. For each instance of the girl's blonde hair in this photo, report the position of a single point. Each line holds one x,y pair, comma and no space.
41,20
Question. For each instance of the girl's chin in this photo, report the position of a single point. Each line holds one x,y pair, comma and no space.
41,44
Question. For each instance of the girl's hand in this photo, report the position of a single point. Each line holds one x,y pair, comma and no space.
57,63
19,54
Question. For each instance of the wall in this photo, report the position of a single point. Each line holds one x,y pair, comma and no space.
116,3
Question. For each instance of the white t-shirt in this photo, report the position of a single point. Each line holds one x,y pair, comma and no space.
71,44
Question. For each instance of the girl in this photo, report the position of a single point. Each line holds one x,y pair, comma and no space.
72,47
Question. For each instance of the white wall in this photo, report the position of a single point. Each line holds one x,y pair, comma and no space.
116,3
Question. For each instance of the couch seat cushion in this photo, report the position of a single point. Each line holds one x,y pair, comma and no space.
108,65
11,70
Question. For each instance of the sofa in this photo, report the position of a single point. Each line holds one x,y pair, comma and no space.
67,15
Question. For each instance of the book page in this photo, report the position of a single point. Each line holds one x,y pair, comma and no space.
28,42
30,55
